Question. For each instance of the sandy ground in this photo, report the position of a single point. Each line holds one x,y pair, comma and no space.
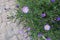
9,30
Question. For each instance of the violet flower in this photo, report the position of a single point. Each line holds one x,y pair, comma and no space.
58,18
47,27
52,1
48,38
25,9
43,14
40,34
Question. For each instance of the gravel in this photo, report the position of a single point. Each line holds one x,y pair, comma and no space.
8,28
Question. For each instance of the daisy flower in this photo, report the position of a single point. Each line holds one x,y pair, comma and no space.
47,27
25,9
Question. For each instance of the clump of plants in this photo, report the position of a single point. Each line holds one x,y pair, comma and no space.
42,17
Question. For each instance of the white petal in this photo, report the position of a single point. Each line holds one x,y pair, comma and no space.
47,27
25,9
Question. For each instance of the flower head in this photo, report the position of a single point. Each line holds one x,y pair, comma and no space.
25,9
40,34
52,0
58,18
43,14
47,27
48,38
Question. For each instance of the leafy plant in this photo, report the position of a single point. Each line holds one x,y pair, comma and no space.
35,20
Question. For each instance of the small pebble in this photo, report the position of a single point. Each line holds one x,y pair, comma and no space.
25,35
17,6
21,31
5,9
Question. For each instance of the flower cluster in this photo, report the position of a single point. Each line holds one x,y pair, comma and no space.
45,12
